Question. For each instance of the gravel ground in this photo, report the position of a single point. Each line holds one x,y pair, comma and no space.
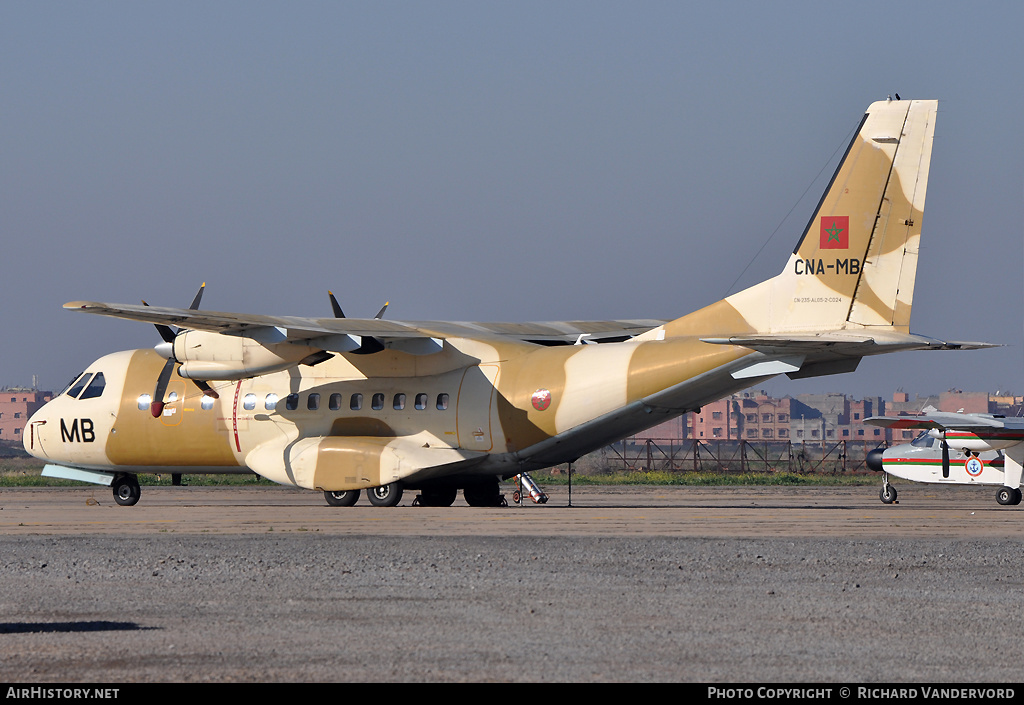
307,607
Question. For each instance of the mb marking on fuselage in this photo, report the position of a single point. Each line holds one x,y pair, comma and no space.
341,405
954,449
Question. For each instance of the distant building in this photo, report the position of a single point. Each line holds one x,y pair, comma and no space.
829,418
957,401
17,404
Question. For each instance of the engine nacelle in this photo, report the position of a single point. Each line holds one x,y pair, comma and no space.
215,356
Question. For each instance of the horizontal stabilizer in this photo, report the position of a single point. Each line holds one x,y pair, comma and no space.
845,342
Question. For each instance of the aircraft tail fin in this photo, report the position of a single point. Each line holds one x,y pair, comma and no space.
855,265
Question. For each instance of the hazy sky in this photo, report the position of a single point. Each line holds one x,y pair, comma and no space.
496,161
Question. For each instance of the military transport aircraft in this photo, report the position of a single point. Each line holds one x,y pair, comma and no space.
954,449
342,405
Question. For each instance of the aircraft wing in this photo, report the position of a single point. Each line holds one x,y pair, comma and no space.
321,331
947,421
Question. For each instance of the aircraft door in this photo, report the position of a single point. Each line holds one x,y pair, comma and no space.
473,410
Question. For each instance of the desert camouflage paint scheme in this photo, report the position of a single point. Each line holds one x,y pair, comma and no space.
341,405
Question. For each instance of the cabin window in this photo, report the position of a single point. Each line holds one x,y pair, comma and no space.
249,402
313,402
442,401
78,386
421,401
399,402
207,402
144,401
335,402
270,403
377,402
356,402
291,402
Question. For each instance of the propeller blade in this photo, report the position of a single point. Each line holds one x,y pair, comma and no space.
380,314
945,457
198,298
165,331
206,388
338,313
157,407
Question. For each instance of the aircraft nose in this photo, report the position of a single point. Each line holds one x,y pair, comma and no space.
31,436
874,459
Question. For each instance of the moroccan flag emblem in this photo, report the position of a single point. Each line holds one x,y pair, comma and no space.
835,232
541,399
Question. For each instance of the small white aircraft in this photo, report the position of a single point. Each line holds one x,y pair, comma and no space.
954,449
342,405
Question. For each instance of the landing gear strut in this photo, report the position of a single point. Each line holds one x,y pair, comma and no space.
126,490
888,493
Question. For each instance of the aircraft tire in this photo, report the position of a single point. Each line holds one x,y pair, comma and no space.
345,498
388,495
887,494
127,490
1008,496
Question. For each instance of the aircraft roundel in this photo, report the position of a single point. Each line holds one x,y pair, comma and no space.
541,399
974,466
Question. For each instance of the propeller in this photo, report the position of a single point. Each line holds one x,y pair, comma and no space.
168,334
370,344
945,456
338,313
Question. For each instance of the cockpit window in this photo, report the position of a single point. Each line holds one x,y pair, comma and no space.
78,386
923,441
95,387
73,380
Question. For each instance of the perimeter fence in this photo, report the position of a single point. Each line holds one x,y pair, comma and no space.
700,455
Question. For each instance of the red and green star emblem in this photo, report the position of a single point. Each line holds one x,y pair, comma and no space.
835,232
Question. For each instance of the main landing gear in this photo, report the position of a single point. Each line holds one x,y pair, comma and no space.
482,494
1008,495
126,490
344,498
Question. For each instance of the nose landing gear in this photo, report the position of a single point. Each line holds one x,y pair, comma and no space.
126,490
